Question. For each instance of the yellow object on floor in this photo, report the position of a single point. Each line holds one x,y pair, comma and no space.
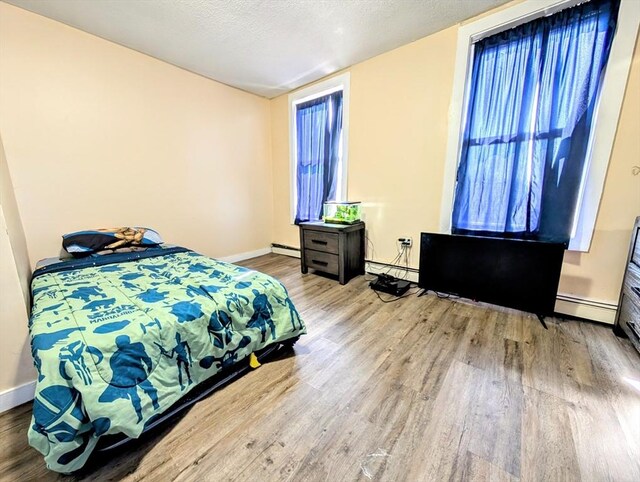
253,361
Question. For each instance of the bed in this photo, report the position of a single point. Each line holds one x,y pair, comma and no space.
119,340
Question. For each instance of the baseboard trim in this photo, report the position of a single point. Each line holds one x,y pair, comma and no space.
585,308
17,396
565,305
285,250
242,256
24,393
375,267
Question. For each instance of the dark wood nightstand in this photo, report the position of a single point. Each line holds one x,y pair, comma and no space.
336,249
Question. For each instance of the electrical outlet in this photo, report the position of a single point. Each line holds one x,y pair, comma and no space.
405,242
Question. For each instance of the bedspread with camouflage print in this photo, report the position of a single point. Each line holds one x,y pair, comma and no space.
117,340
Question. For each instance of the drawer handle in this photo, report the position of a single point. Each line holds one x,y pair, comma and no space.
321,263
317,241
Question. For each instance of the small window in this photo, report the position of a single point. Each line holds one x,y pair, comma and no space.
530,114
318,124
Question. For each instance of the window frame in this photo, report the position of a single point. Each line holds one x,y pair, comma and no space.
319,89
606,116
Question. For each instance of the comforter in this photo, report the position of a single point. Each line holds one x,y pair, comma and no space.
117,340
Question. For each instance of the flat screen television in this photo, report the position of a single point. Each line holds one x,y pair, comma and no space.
508,272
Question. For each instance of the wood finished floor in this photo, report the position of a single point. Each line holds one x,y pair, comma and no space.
420,389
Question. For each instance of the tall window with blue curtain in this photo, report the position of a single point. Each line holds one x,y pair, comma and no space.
531,103
318,136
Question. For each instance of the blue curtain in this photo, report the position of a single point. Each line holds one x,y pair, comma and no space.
532,97
319,128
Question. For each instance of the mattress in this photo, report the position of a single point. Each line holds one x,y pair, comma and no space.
119,339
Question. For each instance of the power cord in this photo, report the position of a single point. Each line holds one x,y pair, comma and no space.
395,298
402,257
373,250
407,250
393,261
399,264
443,296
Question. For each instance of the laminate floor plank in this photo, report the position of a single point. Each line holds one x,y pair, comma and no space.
616,388
422,389
595,430
449,431
548,451
476,468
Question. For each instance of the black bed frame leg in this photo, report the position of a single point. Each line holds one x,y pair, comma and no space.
541,318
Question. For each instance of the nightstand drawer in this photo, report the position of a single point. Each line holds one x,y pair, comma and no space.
320,241
629,318
631,284
635,241
321,261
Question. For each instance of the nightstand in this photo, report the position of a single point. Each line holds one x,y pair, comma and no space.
336,249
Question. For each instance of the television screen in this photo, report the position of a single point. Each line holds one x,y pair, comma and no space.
508,272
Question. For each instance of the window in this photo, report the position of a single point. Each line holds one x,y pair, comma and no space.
533,92
531,138
318,127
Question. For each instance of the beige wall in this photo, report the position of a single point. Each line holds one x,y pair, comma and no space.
15,357
397,145
97,135
598,273
15,231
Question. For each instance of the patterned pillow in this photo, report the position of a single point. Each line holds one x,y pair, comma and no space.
83,243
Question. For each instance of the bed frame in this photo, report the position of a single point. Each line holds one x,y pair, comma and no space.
108,443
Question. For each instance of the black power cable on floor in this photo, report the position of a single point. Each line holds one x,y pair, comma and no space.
402,257
395,298
442,296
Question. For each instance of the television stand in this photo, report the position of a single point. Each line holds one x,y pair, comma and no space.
541,318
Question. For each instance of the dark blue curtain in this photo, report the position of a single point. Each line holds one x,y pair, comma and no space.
532,97
319,128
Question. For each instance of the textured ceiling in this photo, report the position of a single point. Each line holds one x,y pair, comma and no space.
267,47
